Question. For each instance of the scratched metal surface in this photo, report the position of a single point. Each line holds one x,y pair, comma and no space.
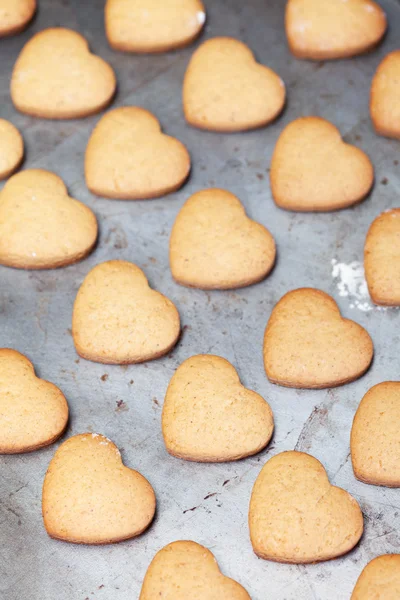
206,503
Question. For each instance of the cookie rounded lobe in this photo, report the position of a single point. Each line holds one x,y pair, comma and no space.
384,96
144,26
333,29
91,497
118,319
128,157
226,90
41,227
57,77
313,169
379,580
185,569
209,416
374,442
308,344
11,149
33,412
297,516
214,245
15,16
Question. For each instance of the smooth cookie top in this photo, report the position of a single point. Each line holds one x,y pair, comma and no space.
380,579
90,497
384,99
209,416
129,157
308,344
375,438
297,516
153,25
225,89
119,319
15,15
33,412
214,245
184,570
41,227
312,169
57,77
329,29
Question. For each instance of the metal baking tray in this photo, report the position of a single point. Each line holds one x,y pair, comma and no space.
205,503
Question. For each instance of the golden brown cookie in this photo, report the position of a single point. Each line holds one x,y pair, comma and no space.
225,89
297,516
57,77
90,497
382,258
11,149
185,570
375,436
308,344
41,227
312,169
214,245
153,25
119,319
380,579
129,157
15,15
329,29
33,412
209,416
384,98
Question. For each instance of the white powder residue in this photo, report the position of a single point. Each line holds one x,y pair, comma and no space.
351,283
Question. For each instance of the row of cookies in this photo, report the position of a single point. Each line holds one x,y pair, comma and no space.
224,88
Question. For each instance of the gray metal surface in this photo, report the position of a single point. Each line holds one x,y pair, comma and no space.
205,503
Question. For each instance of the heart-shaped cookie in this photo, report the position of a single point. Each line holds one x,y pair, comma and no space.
41,227
129,157
33,412
209,416
375,437
119,319
225,89
11,148
329,29
184,570
380,579
312,169
308,344
385,94
56,77
382,259
214,245
15,15
90,497
153,25
297,516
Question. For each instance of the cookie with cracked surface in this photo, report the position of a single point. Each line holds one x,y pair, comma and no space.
313,169
41,226
183,570
119,319
214,245
91,497
330,29
209,416
129,157
308,344
225,89
375,437
57,77
297,516
153,25
33,412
